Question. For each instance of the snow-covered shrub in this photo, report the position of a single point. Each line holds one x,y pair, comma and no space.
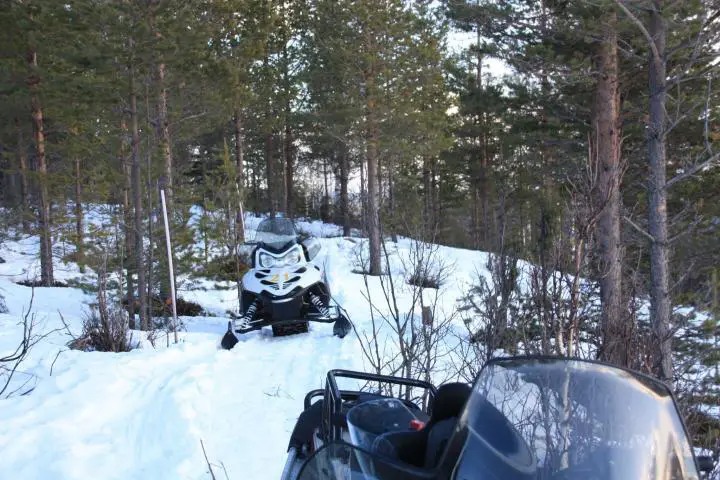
104,330
429,269
106,327
3,305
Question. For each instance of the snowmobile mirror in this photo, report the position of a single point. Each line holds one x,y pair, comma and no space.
312,246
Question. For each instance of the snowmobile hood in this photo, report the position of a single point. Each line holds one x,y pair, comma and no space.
543,418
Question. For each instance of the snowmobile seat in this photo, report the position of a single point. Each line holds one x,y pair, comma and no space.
424,448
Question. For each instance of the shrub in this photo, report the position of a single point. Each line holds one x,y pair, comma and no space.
38,283
104,330
224,269
424,280
163,308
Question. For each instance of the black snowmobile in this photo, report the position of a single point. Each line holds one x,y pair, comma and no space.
524,418
284,289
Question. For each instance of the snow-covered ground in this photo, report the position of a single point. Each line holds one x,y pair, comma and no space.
143,414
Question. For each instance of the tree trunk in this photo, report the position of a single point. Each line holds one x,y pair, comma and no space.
165,147
373,197
659,291
256,186
325,213
137,200
605,146
289,169
482,184
79,236
391,199
46,258
128,221
149,189
272,194
239,176
344,202
21,155
363,197
164,137
475,214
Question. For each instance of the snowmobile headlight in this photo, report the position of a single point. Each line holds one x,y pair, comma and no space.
267,260
291,258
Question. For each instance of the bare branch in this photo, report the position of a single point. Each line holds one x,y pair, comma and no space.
710,162
638,228
212,474
636,21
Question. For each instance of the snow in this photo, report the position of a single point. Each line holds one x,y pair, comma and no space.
144,413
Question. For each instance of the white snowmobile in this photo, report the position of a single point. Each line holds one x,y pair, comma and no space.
284,289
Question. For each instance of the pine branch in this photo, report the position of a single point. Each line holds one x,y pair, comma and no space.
639,228
636,21
693,170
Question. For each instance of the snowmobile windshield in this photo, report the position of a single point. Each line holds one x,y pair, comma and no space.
276,233
567,419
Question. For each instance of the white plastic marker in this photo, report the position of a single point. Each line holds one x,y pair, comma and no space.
170,265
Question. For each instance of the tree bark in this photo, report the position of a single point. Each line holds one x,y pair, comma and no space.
46,258
272,194
79,237
372,189
363,197
344,201
128,221
149,190
137,200
391,198
164,137
427,198
325,213
659,291
289,168
21,155
239,175
605,146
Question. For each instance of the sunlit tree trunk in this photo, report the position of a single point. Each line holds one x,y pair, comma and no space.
46,257
605,147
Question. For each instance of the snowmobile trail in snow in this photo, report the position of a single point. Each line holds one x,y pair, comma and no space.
151,410
142,414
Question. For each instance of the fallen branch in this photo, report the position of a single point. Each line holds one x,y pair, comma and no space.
212,474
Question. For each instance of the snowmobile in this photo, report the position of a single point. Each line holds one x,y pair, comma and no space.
283,288
523,418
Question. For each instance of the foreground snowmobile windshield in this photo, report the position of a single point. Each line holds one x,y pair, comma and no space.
276,232
556,419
